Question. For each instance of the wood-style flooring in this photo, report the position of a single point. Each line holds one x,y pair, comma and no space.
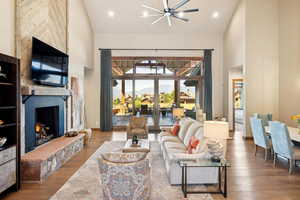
249,178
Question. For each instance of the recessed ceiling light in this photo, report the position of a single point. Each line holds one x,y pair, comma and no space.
111,13
181,14
145,14
216,15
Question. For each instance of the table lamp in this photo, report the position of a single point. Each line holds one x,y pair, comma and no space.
219,131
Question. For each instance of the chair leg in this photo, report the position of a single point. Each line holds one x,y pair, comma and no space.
255,149
266,154
275,159
291,165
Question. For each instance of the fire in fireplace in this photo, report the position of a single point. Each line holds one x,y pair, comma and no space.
47,124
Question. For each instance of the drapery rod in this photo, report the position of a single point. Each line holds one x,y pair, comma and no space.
156,49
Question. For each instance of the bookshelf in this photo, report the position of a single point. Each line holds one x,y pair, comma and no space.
9,123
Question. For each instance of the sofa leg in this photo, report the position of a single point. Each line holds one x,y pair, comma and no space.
255,149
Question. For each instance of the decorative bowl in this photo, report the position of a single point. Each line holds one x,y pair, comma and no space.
2,141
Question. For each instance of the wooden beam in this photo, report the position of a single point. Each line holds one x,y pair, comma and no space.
132,58
150,64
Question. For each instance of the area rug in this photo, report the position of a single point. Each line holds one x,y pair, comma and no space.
85,184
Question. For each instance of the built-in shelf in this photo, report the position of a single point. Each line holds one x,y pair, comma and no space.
8,125
7,84
10,115
7,107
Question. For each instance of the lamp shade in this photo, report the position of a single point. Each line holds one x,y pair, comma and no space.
216,129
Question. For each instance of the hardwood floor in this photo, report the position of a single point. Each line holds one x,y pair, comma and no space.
249,178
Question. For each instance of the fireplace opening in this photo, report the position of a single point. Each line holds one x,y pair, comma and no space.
46,124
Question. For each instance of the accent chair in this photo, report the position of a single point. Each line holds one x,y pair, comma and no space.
137,126
283,145
260,137
125,176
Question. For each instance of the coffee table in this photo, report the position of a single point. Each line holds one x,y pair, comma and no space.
144,146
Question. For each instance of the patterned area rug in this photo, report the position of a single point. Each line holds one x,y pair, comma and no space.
85,184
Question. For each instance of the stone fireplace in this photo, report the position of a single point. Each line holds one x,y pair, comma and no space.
44,119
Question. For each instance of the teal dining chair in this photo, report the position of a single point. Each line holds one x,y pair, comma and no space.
266,118
283,145
259,135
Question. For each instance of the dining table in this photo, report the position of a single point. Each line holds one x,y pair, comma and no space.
294,133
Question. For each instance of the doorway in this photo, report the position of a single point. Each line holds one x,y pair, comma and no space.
152,87
238,105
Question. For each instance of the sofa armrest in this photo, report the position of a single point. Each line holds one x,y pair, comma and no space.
186,157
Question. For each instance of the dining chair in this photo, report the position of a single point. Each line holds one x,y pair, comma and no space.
259,135
283,145
266,118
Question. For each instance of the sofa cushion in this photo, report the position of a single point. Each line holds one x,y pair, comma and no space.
174,145
184,125
117,157
191,131
201,147
170,138
200,133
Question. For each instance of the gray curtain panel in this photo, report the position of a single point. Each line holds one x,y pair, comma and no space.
106,91
208,84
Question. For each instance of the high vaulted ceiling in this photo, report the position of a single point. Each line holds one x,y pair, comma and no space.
128,18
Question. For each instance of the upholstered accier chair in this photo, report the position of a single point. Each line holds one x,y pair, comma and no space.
125,176
137,126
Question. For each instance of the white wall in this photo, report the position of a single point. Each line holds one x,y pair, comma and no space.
80,46
234,51
289,72
7,27
173,41
261,58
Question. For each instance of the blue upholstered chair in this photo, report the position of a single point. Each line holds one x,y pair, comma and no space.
283,145
266,118
259,135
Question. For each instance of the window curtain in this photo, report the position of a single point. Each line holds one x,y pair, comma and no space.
208,84
106,91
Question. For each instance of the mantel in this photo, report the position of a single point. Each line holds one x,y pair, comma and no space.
45,91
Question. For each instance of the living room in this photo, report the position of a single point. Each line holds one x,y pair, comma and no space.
200,96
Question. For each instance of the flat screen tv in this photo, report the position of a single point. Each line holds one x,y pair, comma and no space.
49,66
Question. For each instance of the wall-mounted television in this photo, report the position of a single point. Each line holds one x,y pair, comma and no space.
49,66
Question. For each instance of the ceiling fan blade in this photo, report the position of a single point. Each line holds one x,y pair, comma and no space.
166,6
183,19
190,10
159,19
154,9
180,4
169,20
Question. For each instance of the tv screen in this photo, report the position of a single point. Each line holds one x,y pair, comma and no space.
49,66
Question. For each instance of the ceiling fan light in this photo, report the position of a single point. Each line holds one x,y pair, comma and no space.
145,14
181,14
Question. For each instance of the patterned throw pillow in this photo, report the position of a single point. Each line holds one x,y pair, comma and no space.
116,157
194,142
175,130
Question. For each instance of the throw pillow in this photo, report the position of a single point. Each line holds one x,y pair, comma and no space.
193,144
175,130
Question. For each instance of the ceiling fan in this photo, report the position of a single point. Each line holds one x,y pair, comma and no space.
169,12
